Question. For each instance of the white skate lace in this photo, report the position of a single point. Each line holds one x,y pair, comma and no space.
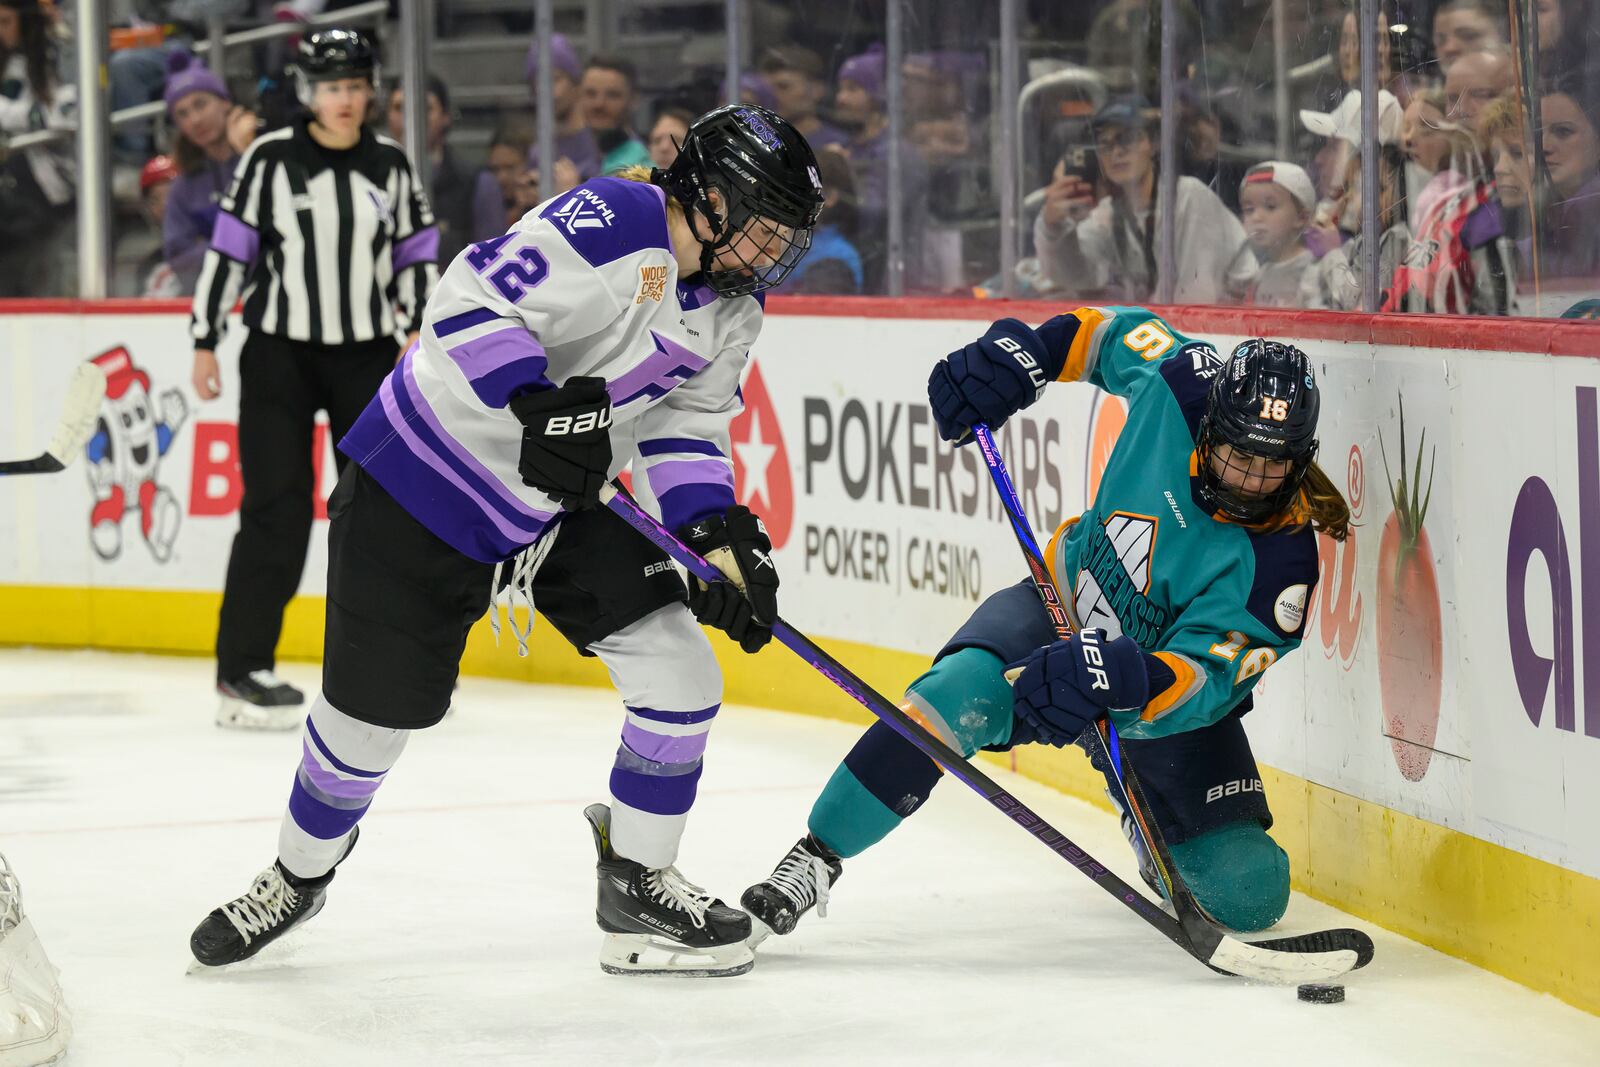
803,878
265,678
269,900
523,567
667,886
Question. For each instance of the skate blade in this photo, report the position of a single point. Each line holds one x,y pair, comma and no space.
759,932
234,714
640,954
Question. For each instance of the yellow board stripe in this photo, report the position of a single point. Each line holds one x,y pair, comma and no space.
1531,921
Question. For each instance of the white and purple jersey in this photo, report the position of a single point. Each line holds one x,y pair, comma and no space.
584,285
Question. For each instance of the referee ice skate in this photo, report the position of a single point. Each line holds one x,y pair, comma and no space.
330,232
609,326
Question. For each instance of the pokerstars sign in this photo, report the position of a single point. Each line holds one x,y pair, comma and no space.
761,462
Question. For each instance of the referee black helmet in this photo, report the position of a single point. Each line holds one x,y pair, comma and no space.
330,54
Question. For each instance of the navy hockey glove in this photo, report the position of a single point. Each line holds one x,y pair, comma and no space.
566,440
746,605
992,378
1066,686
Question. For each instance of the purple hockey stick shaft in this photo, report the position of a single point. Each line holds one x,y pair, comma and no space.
925,741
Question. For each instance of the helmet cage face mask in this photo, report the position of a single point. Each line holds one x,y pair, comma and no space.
775,211
1263,404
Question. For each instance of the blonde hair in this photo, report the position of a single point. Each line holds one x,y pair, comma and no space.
640,173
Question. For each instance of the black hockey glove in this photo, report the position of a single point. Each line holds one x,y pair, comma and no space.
997,375
566,440
745,606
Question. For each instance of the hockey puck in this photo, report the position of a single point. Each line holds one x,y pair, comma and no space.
1314,993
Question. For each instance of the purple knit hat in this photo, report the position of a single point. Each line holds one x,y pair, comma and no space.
186,75
752,87
562,56
866,70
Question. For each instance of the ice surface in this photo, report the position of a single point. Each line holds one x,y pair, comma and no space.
461,931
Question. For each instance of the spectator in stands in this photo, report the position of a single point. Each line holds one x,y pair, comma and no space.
859,107
1335,283
452,194
1567,35
940,93
1504,133
667,134
753,89
203,114
37,183
577,153
503,192
1341,133
833,265
798,82
1569,232
1276,201
1110,245
606,95
1462,26
1350,51
1474,81
1460,260
156,277
1125,46
1200,140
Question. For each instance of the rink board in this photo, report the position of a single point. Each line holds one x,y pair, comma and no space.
1434,747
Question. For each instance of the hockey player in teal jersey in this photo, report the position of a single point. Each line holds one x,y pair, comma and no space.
1187,578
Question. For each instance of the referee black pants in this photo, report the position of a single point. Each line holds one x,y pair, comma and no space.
283,384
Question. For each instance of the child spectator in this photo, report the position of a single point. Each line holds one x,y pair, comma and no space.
833,265
1110,245
1276,201
159,280
1334,284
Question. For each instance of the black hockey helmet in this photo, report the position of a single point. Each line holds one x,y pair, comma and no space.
1263,402
334,53
767,176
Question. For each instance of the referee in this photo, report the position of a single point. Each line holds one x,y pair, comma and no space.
329,231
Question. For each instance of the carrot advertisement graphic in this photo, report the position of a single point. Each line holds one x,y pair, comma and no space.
1410,646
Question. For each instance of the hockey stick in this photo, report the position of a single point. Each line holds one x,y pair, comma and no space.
84,393
1304,962
1207,941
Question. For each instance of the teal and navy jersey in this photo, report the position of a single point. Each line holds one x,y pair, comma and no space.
1217,601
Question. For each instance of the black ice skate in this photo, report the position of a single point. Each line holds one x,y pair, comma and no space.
657,922
799,882
259,701
275,904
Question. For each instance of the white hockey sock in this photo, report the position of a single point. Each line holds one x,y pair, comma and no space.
343,763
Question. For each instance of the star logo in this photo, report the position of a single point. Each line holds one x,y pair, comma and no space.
760,461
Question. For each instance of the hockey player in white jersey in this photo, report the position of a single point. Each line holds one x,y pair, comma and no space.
609,326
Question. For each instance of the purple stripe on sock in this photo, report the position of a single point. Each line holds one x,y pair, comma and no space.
322,747
235,239
317,818
675,473
658,796
662,748
662,446
682,718
328,782
420,247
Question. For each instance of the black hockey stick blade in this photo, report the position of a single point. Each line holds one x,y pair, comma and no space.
1203,941
1304,958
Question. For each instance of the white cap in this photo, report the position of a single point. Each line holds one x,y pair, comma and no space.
1291,176
1344,121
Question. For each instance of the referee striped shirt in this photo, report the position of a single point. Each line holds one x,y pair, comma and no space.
331,246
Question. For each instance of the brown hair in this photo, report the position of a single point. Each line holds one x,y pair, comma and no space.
1320,504
1503,119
